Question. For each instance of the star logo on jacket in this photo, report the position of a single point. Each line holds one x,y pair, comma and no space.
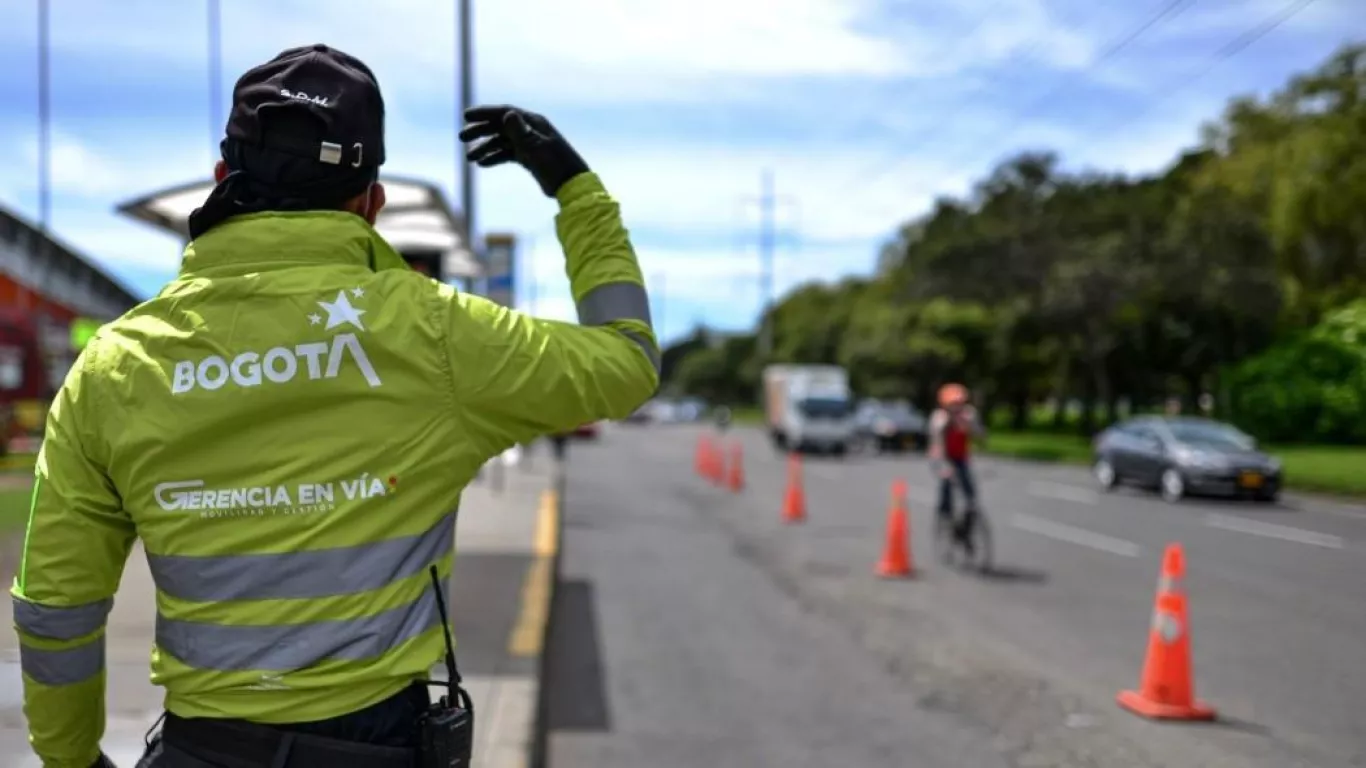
340,312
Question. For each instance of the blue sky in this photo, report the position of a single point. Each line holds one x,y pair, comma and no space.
864,109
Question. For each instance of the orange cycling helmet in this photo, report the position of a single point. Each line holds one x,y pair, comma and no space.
952,394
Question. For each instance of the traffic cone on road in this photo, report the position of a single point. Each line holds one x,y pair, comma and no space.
1166,690
896,553
736,478
794,500
717,465
702,456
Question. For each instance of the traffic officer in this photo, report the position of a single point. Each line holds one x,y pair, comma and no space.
287,427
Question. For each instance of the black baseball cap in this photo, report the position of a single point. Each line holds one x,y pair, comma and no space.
337,90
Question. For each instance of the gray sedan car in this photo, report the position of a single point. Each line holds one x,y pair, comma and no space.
1180,456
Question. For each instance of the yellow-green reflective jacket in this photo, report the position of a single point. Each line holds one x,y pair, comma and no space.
287,427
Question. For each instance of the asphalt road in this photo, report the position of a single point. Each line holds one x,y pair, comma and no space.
695,628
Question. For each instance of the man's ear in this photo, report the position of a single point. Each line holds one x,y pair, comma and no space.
220,171
367,204
376,200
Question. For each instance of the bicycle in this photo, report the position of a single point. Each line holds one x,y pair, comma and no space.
963,540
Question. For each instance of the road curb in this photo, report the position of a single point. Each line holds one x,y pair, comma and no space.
539,601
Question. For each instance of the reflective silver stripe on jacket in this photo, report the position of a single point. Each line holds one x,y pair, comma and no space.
288,647
60,622
65,667
314,573
620,301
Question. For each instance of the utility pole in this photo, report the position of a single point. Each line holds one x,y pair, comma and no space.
44,118
464,33
216,124
465,172
44,141
768,201
766,237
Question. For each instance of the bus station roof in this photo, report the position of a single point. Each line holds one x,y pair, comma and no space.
415,218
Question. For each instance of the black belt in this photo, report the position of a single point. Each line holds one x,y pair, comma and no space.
249,744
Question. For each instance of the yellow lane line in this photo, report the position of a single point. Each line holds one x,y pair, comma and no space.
528,635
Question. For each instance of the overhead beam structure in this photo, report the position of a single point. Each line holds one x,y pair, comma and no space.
417,220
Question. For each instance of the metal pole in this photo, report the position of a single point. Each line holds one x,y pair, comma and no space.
215,30
44,143
44,119
766,237
464,34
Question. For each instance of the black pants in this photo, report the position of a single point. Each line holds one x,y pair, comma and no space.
391,723
962,474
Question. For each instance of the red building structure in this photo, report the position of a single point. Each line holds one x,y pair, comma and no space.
49,297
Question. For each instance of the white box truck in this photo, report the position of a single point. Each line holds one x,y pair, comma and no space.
808,407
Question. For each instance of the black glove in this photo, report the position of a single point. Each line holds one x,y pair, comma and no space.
103,762
524,137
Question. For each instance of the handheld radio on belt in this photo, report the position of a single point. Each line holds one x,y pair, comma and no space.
447,725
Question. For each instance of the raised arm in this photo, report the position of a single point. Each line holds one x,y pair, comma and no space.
518,377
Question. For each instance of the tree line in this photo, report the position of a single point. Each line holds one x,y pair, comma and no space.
1238,271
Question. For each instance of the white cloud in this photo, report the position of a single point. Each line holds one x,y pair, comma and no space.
75,168
596,51
124,247
843,193
686,285
81,169
710,187
707,56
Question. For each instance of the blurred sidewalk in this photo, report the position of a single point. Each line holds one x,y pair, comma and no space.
500,595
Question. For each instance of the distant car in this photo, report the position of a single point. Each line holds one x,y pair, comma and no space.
689,409
892,426
665,412
1182,456
587,431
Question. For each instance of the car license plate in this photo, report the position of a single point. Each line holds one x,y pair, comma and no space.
1250,479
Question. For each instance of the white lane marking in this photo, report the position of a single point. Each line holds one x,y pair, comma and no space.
1063,492
921,494
1273,531
1314,507
1074,535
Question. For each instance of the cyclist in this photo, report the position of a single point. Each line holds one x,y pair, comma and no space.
953,426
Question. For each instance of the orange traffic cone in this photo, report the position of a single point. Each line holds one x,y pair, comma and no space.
896,554
794,501
702,457
736,479
1166,690
717,466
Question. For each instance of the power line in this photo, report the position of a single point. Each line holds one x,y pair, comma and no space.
1230,49
1240,43
1169,9
965,40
